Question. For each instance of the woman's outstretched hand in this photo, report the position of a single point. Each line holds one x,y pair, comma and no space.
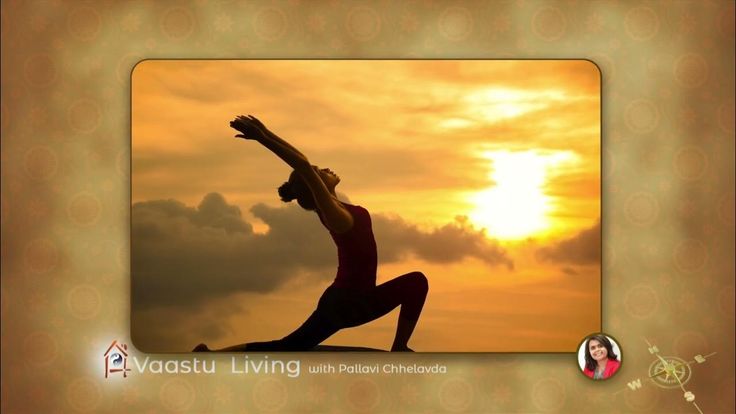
249,127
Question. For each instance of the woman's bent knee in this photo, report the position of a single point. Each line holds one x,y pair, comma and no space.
420,281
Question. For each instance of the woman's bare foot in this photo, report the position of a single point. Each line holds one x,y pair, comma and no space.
201,348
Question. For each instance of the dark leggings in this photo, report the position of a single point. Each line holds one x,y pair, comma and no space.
340,308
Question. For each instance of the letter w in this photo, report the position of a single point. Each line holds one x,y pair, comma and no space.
635,385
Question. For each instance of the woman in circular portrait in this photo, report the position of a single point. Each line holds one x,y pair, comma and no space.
600,357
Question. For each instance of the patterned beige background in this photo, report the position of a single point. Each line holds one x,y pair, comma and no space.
668,169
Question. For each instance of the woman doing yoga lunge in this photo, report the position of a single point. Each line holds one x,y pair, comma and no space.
353,298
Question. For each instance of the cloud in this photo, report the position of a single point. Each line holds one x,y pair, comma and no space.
403,168
580,76
183,256
168,329
581,249
449,243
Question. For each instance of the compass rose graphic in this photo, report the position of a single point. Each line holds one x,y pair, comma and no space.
670,372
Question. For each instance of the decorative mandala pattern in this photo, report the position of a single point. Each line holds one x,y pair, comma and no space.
84,116
39,70
641,301
690,163
84,23
84,395
177,23
456,395
270,23
641,116
456,23
84,209
363,23
41,256
690,255
40,349
270,395
641,208
177,395
641,23
363,395
84,302
41,163
549,23
549,395
726,117
691,70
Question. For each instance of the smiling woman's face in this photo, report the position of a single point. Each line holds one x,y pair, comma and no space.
597,350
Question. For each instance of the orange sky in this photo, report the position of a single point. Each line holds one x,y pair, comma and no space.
482,163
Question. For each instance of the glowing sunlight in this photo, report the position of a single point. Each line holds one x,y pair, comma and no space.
516,206
497,104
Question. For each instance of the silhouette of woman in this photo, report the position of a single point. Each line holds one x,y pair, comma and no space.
353,298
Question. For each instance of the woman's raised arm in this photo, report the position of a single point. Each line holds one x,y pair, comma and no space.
336,217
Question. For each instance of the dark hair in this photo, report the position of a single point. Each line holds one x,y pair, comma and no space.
591,363
297,189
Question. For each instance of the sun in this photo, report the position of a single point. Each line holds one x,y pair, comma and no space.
516,207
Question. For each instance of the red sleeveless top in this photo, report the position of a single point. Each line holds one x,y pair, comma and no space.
356,252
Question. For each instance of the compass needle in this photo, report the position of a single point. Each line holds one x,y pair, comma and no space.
680,382
677,372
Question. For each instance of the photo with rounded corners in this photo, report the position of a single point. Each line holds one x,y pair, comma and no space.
472,188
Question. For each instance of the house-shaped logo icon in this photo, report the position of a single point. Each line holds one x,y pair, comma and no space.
116,359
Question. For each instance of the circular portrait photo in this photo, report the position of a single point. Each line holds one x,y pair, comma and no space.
599,356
